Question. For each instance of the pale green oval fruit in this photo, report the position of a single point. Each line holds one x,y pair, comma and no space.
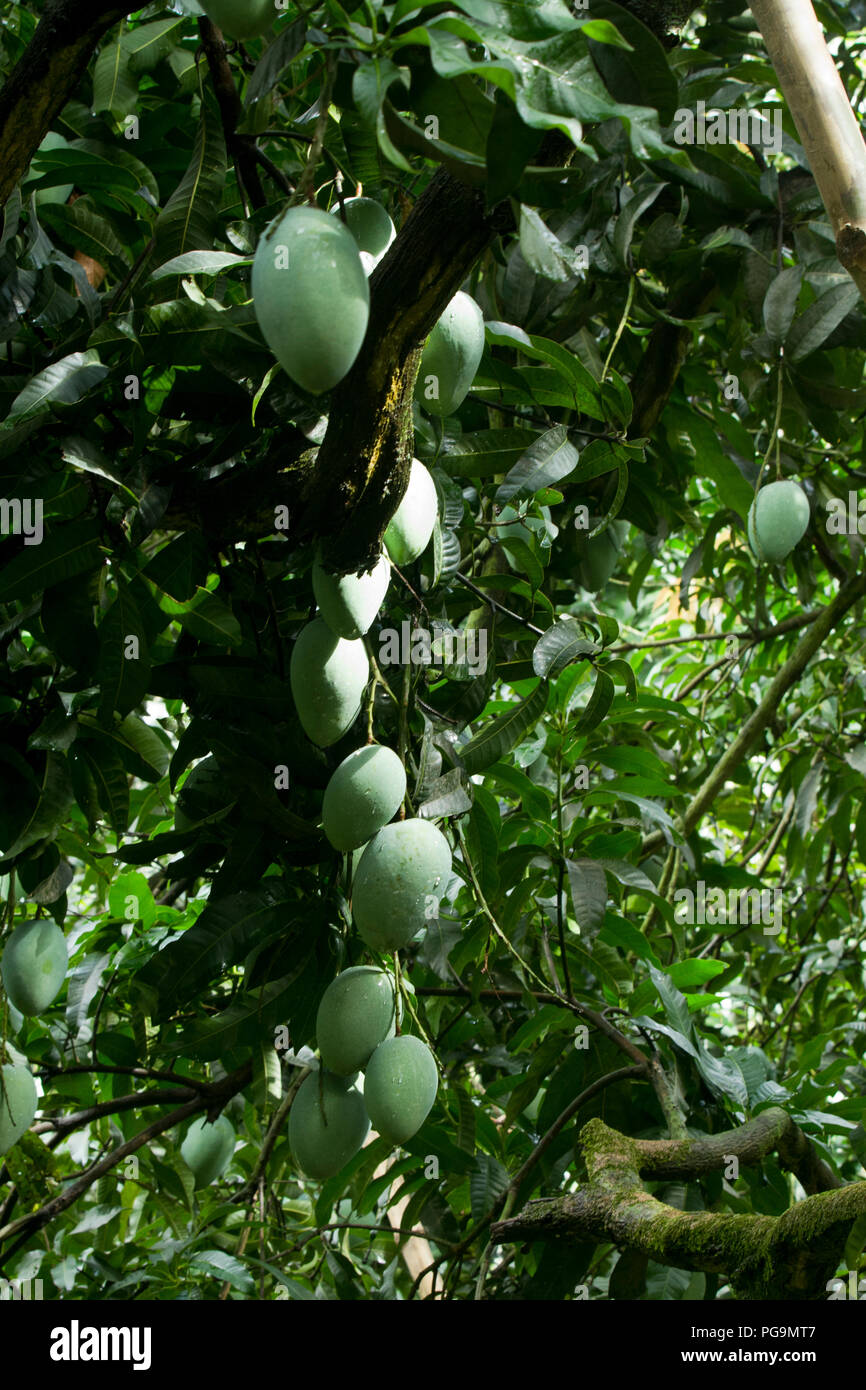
370,225
400,1087
53,141
326,1127
451,357
241,19
363,794
394,892
778,518
311,296
34,965
356,1014
202,794
411,526
327,675
349,602
18,1103
207,1149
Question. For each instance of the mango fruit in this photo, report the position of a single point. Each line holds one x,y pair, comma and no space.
363,794
451,357
208,1148
34,965
371,227
327,675
311,296
394,892
202,794
400,1086
18,1102
349,602
356,1014
411,526
241,19
778,519
597,558
328,1123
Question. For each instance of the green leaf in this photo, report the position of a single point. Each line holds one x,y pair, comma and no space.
588,887
276,59
780,302
487,1182
187,221
212,621
543,251
123,666
598,704
111,782
225,1268
67,550
49,813
548,460
561,644
504,732
812,328
131,900
114,88
66,381
200,263
180,567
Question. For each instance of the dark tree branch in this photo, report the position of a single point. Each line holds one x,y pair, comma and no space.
47,73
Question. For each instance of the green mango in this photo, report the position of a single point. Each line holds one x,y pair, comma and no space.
597,558
371,227
202,794
451,357
356,1014
18,1103
53,141
34,965
327,675
241,19
394,892
328,1124
363,794
207,1149
777,520
349,602
400,1087
311,296
411,526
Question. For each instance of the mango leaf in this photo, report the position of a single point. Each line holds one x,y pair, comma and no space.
548,460
588,887
200,263
504,731
48,815
487,1182
561,644
813,327
66,381
187,221
68,550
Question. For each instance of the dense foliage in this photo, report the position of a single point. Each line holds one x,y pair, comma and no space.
665,324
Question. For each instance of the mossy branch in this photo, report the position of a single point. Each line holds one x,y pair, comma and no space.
791,1257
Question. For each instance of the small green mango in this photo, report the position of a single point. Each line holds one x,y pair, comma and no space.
451,357
597,558
349,602
778,519
327,675
202,794
241,19
356,1014
371,227
394,892
34,965
18,1103
207,1149
411,526
311,296
366,790
328,1124
400,1086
